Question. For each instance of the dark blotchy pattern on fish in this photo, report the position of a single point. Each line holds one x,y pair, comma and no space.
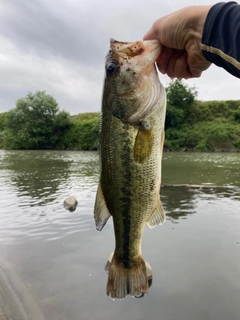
131,142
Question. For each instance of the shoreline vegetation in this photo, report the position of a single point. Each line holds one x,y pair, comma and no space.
191,125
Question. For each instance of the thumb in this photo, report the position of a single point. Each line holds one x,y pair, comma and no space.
150,35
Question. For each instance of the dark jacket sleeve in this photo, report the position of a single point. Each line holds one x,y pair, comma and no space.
221,37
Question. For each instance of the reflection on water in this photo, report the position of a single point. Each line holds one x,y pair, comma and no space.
55,258
37,176
41,180
179,200
220,169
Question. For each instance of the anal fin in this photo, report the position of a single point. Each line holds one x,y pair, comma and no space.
157,217
101,212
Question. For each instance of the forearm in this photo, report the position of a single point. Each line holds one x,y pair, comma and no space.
221,37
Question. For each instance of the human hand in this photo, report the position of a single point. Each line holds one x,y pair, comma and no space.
180,33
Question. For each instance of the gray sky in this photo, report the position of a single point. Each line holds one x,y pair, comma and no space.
60,45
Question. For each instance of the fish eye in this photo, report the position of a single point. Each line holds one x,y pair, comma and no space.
111,67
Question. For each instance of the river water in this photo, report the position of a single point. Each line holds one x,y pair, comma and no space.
52,260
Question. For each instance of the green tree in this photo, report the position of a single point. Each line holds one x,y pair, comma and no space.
82,135
2,126
237,115
35,123
3,116
180,99
86,116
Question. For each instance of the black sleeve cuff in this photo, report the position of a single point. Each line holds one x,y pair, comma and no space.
221,37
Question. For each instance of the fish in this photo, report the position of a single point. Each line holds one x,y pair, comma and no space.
131,139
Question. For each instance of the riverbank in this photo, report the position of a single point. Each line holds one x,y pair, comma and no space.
210,126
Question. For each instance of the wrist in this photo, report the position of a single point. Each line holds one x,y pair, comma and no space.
196,18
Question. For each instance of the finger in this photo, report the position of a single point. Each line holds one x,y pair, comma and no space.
172,64
181,69
154,32
178,67
197,64
163,59
150,35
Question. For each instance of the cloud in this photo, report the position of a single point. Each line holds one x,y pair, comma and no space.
60,45
59,30
61,76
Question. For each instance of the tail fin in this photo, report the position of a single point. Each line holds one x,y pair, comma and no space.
122,281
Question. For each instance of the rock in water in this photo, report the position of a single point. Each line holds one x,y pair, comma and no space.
70,204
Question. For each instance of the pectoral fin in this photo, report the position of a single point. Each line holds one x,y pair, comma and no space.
157,217
143,145
101,213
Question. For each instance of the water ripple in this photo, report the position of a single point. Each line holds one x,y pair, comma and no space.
33,186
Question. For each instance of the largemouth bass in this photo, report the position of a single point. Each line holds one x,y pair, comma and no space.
131,146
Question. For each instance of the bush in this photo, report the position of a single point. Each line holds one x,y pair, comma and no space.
236,115
204,136
82,135
180,99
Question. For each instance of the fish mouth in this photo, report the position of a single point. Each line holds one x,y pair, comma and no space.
142,55
146,50
135,65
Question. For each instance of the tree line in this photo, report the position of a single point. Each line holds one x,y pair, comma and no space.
191,125
37,123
